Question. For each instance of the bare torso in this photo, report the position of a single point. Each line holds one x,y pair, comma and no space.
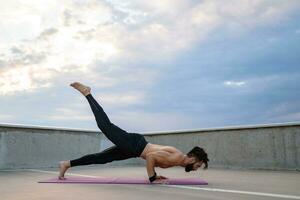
164,154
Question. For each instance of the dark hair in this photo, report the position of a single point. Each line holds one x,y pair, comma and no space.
200,154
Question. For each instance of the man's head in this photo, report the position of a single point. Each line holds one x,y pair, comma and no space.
199,156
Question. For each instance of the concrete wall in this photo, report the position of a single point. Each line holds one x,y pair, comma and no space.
33,147
274,146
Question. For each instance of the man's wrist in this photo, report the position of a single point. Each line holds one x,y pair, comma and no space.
152,178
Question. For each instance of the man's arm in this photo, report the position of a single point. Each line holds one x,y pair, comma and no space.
162,156
150,162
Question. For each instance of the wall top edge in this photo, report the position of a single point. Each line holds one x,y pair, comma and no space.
238,127
255,126
25,126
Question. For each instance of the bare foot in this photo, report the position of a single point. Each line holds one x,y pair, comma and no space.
85,90
63,166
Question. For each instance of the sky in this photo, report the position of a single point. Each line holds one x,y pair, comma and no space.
152,65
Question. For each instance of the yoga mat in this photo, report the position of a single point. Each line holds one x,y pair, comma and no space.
113,180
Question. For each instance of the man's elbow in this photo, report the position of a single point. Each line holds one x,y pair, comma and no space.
149,156
150,160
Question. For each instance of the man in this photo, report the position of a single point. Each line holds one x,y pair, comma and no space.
129,145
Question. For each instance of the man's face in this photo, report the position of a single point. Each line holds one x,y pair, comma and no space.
193,166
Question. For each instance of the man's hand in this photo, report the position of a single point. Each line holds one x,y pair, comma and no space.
161,177
161,180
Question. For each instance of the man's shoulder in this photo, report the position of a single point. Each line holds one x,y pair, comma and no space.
175,150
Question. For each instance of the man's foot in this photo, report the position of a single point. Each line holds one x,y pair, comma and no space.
63,166
85,90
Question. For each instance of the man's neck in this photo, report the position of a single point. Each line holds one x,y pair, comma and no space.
184,161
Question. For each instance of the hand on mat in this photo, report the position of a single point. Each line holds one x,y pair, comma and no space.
62,178
161,177
161,180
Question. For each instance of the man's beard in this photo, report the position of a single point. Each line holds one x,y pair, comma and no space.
189,167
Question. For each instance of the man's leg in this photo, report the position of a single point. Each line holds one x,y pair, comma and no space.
118,136
108,155
114,133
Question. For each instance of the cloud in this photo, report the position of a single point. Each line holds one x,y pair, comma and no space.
22,79
52,52
59,38
143,121
69,114
47,33
234,83
6,117
124,99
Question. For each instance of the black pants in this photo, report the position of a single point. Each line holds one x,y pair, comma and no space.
127,145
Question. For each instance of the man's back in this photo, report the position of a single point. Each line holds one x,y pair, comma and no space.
165,156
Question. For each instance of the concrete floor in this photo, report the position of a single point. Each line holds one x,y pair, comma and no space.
223,184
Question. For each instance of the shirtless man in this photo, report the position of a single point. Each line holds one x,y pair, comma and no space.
130,145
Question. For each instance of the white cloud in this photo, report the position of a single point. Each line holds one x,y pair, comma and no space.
37,57
234,83
6,117
57,38
69,114
133,97
23,79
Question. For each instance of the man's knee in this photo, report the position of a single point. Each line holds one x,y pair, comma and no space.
104,128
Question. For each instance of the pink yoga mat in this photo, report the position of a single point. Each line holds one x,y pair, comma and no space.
106,180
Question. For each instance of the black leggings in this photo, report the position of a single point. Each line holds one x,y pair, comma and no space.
127,145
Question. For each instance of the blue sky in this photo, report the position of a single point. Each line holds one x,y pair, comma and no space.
152,65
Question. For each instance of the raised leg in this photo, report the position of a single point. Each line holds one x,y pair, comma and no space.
114,133
118,136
